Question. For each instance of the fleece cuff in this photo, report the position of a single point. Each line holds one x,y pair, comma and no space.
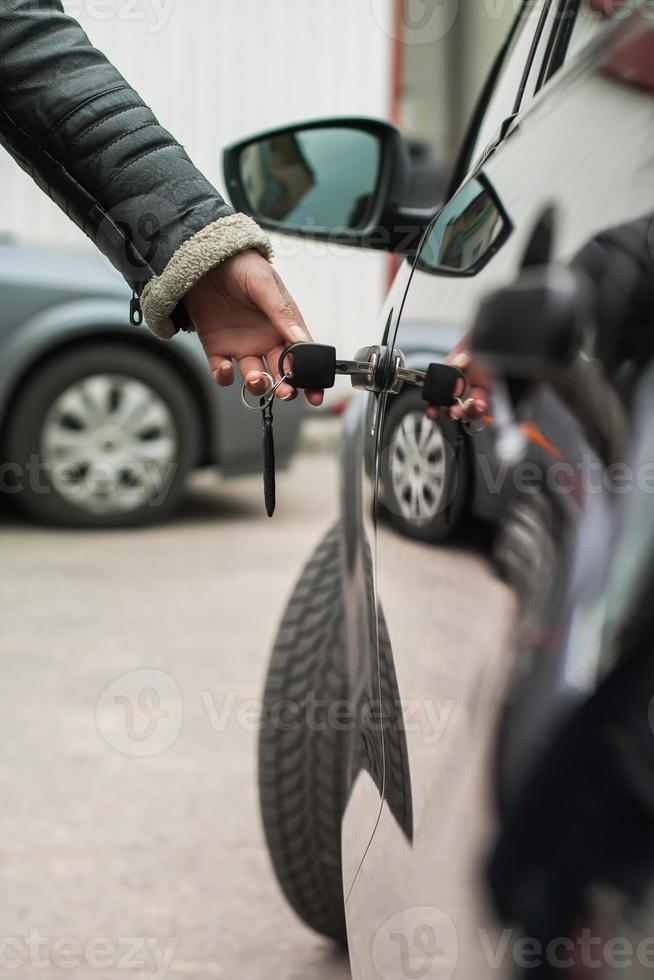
192,260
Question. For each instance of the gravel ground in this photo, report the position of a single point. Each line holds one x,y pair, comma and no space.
130,830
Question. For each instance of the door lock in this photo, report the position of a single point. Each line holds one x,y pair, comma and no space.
377,369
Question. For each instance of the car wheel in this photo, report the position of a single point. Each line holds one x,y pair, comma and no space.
301,756
102,436
424,471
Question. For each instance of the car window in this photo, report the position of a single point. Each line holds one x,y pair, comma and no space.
505,95
588,24
578,23
466,233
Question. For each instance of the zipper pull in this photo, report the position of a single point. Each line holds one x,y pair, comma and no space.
135,311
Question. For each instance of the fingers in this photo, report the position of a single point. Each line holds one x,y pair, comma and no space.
315,398
222,371
254,371
476,404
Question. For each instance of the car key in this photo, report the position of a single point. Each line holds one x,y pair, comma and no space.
315,366
440,384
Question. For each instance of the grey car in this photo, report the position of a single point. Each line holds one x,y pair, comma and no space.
100,422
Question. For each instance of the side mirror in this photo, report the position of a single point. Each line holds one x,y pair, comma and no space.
340,180
537,329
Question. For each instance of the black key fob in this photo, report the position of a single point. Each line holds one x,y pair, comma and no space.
440,384
310,366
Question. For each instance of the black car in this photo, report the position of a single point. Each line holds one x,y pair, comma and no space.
420,696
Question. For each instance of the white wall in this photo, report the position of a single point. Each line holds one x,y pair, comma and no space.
215,70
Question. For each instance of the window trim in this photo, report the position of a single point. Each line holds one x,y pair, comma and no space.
557,49
464,162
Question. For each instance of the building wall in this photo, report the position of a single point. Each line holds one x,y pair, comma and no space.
216,70
448,56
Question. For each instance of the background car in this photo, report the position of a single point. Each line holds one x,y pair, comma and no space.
381,814
101,423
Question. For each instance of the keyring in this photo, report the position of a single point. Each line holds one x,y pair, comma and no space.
262,400
267,397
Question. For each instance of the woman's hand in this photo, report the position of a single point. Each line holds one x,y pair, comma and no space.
243,311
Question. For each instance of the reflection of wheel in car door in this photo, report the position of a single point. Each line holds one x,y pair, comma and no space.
424,470
301,756
103,436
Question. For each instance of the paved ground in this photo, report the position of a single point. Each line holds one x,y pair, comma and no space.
156,849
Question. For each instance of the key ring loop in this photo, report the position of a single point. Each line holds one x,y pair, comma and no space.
262,400
283,373
268,396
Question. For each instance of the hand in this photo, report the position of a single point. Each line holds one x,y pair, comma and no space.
477,380
242,310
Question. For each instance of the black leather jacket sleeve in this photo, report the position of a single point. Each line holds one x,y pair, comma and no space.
87,138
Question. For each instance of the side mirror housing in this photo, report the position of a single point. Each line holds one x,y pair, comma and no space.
340,180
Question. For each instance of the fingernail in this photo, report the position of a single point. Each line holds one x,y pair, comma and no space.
289,397
297,333
461,360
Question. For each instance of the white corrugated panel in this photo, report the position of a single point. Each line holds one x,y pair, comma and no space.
215,70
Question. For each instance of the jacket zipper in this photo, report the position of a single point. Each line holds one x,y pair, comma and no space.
135,311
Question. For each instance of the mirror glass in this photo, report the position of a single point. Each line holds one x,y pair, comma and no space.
466,233
313,178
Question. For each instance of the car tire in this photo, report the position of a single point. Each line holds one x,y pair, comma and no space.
442,470
140,479
302,765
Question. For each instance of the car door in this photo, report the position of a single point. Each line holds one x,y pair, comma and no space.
418,908
370,670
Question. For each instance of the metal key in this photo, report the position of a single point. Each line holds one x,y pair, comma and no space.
376,368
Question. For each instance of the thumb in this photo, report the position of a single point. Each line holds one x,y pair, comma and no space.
271,296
